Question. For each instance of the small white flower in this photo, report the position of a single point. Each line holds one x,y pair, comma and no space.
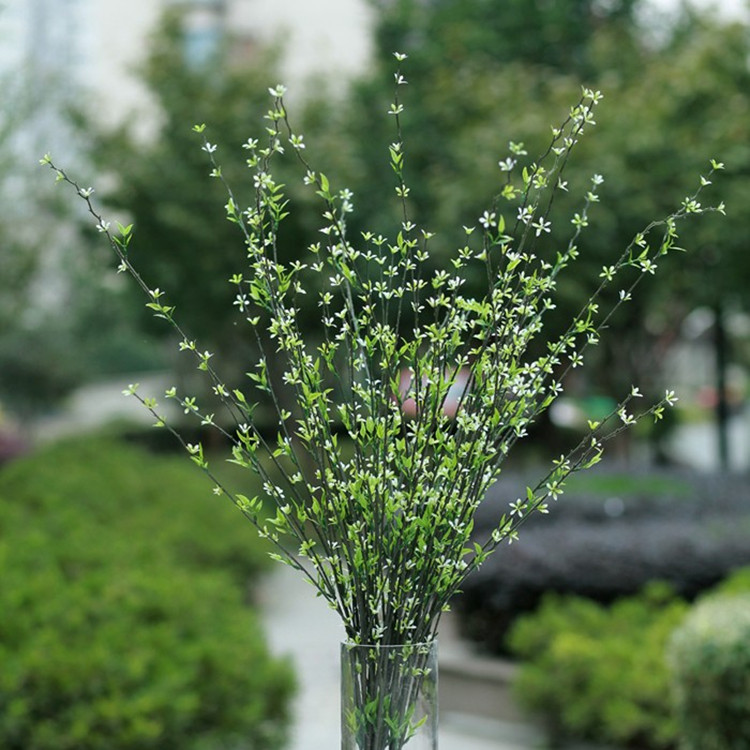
517,508
627,419
542,226
278,91
691,205
648,266
608,273
507,164
525,214
488,219
553,490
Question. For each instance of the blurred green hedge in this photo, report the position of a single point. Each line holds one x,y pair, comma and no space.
597,673
709,658
123,615
601,673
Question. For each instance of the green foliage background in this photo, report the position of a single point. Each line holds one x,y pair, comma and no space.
480,74
125,621
650,671
599,674
709,660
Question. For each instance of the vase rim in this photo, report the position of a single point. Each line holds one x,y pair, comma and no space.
350,645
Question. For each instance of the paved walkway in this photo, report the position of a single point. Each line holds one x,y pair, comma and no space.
300,625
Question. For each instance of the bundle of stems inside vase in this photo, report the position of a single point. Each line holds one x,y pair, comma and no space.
388,696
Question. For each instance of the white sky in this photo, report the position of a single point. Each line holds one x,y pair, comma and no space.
727,8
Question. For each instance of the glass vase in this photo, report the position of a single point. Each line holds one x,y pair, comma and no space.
389,697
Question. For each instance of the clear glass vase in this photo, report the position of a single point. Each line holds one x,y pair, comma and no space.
389,697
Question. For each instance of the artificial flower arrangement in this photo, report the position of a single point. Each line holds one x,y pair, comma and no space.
382,524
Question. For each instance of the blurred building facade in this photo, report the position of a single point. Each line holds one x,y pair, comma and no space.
58,54
90,49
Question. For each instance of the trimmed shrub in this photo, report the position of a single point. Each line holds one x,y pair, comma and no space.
124,623
709,658
737,583
597,673
161,505
605,546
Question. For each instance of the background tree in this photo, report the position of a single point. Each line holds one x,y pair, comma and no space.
476,65
481,74
50,286
183,241
697,101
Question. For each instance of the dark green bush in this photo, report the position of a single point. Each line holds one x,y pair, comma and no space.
598,673
601,673
123,624
689,531
160,505
709,658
